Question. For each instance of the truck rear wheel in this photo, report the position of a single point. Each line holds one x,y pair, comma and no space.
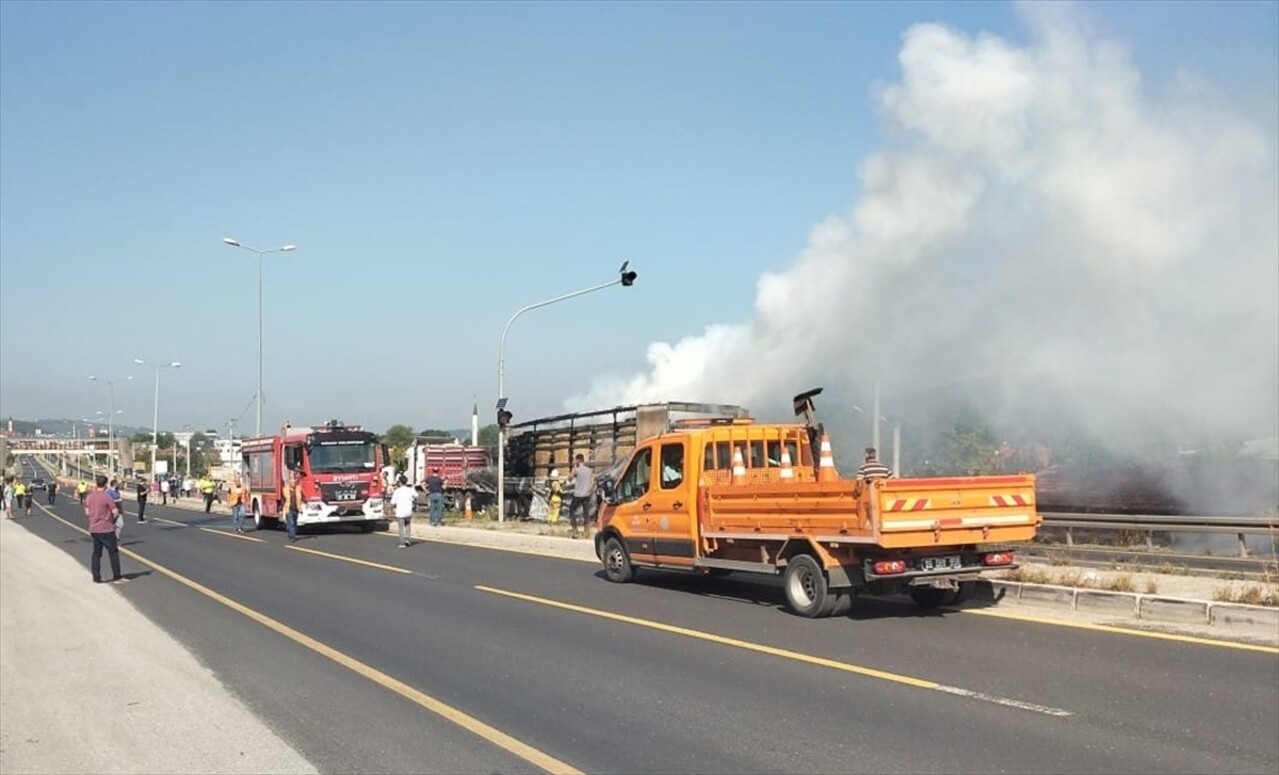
617,563
807,593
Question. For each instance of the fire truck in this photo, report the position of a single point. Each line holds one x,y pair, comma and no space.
341,480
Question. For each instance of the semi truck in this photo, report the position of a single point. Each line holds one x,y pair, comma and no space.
341,475
538,449
713,496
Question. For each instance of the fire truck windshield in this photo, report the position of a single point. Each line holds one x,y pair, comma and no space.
342,456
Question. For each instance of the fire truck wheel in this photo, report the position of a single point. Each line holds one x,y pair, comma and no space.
617,563
930,597
806,590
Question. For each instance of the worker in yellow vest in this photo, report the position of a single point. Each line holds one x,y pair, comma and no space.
556,499
81,490
206,487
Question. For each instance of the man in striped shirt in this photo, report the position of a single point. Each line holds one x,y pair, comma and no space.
872,468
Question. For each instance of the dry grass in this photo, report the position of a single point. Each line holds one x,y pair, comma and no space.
1152,587
1248,594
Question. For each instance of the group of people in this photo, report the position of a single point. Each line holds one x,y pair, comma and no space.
581,507
19,495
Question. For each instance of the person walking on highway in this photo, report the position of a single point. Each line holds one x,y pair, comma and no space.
188,484
53,491
19,494
294,501
238,498
579,510
435,497
8,497
207,489
143,491
103,512
403,499
82,490
164,491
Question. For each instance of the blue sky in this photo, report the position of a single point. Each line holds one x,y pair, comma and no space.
439,166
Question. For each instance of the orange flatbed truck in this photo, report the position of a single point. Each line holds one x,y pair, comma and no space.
732,495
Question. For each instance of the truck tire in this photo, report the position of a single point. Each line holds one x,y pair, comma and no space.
807,593
930,597
617,563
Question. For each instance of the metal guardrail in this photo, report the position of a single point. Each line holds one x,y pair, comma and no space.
1158,523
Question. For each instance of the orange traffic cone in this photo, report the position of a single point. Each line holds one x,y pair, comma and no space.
739,467
826,467
467,507
787,473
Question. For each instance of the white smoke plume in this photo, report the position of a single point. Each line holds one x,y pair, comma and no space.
1041,230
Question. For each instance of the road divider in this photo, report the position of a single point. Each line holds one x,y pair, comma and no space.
868,672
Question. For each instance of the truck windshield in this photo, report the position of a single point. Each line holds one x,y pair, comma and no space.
344,456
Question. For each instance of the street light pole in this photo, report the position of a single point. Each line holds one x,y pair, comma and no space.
625,279
111,423
260,253
155,413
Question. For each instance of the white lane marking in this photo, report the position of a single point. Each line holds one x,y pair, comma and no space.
972,695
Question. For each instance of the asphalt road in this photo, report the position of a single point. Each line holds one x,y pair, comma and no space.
675,674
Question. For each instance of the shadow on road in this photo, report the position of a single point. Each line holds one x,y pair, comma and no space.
752,589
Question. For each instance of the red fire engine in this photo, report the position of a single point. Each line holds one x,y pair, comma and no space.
340,466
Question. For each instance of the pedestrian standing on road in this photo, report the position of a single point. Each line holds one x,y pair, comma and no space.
8,497
294,501
403,499
143,492
435,497
113,492
31,494
164,492
53,491
82,490
238,498
102,512
583,490
206,489
19,494
188,484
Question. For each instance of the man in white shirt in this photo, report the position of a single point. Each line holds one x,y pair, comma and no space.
403,499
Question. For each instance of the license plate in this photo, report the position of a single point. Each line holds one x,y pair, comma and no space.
941,563
346,495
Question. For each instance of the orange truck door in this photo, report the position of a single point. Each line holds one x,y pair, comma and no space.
633,514
672,504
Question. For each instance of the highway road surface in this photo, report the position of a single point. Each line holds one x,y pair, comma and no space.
442,658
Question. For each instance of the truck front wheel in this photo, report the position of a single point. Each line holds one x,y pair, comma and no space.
617,563
807,593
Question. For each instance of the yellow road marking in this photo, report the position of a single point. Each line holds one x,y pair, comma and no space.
1123,631
918,683
229,534
493,735
869,672
350,559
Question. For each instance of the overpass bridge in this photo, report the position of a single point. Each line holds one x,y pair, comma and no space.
113,454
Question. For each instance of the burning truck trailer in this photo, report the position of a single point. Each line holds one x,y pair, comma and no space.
538,449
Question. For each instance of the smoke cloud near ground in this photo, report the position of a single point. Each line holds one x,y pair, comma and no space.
1041,237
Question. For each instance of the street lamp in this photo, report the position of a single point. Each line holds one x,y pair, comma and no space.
626,279
260,253
897,433
155,414
111,421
